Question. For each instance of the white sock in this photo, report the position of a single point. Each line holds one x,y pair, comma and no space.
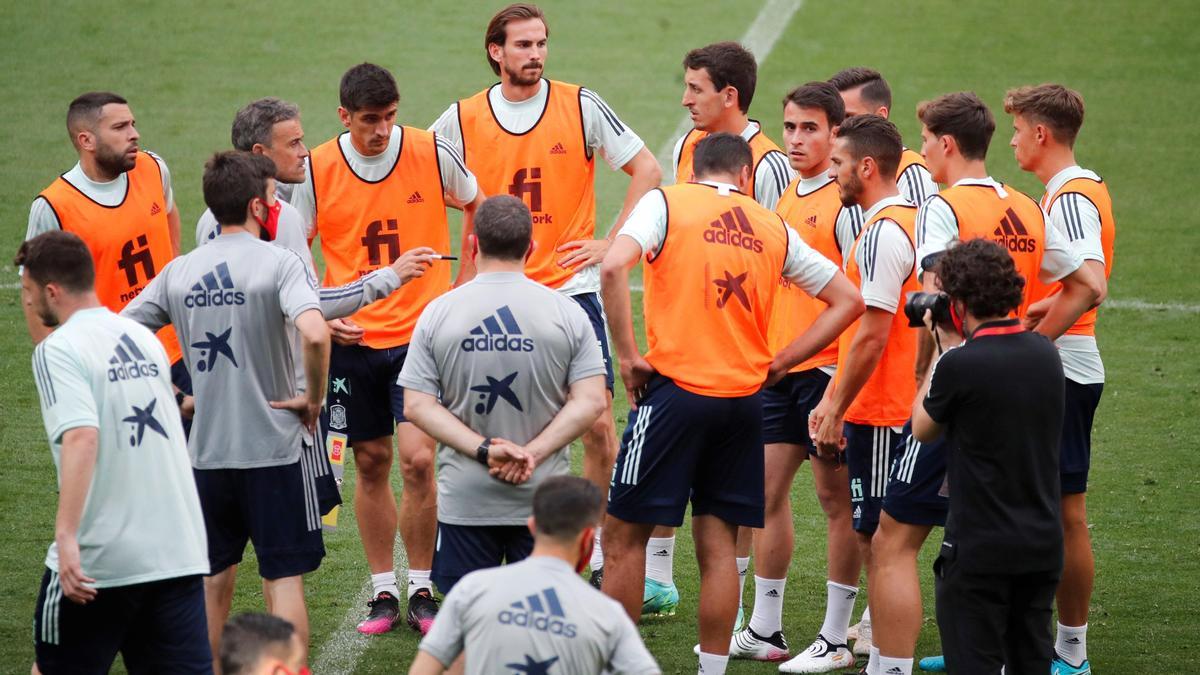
866,615
384,581
767,618
712,664
873,661
839,605
888,665
743,564
597,561
1071,644
660,559
418,579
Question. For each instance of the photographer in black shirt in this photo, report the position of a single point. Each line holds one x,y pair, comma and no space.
999,397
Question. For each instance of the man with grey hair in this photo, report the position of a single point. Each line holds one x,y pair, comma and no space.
504,373
539,616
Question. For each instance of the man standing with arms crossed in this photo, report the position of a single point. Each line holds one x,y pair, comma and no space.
870,398
504,373
124,571
371,192
956,131
523,137
1046,121
233,302
713,256
119,200
811,206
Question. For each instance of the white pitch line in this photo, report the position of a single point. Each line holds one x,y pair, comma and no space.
1143,306
760,39
339,654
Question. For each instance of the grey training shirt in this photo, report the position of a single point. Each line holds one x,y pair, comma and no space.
231,302
536,616
501,352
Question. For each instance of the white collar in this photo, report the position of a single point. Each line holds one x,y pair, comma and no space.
986,181
1068,174
722,188
894,200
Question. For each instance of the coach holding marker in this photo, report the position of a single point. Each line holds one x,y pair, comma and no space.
504,372
1000,399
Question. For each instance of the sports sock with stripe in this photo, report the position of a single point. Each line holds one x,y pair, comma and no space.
384,581
713,664
660,559
767,618
1071,644
743,565
889,665
839,605
418,579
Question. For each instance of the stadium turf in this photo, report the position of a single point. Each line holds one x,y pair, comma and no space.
187,67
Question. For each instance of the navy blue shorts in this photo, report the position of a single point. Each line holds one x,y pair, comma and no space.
364,400
157,627
275,507
462,549
590,302
1076,450
679,445
785,407
868,457
914,491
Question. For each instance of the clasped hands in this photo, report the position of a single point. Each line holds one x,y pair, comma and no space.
510,462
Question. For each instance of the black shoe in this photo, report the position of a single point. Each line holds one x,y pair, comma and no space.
422,610
383,615
597,578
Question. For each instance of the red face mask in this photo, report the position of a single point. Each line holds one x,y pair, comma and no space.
585,551
269,226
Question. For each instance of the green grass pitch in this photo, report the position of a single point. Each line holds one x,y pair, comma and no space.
186,67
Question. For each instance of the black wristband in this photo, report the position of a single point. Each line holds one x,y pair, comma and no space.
481,453
179,396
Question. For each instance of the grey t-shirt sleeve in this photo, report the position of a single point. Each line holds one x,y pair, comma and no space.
342,301
64,389
150,307
446,639
420,370
627,653
41,218
586,358
297,289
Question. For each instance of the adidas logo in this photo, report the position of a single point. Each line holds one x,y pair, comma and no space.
155,209
733,229
811,221
662,553
1073,641
772,593
850,595
894,670
497,333
416,198
558,149
215,289
129,363
857,512
541,612
1011,234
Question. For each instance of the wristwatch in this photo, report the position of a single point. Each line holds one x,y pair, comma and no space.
179,396
481,453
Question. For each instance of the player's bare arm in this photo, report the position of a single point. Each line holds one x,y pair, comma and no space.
845,305
79,448
1081,290
173,230
1037,311
314,337
614,283
865,351
430,416
466,268
644,175
586,400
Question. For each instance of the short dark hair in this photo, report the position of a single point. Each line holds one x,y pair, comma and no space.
981,274
727,64
819,95
564,505
875,89
964,117
84,111
503,227
58,257
874,136
497,28
231,180
721,153
249,637
254,123
1056,106
367,86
